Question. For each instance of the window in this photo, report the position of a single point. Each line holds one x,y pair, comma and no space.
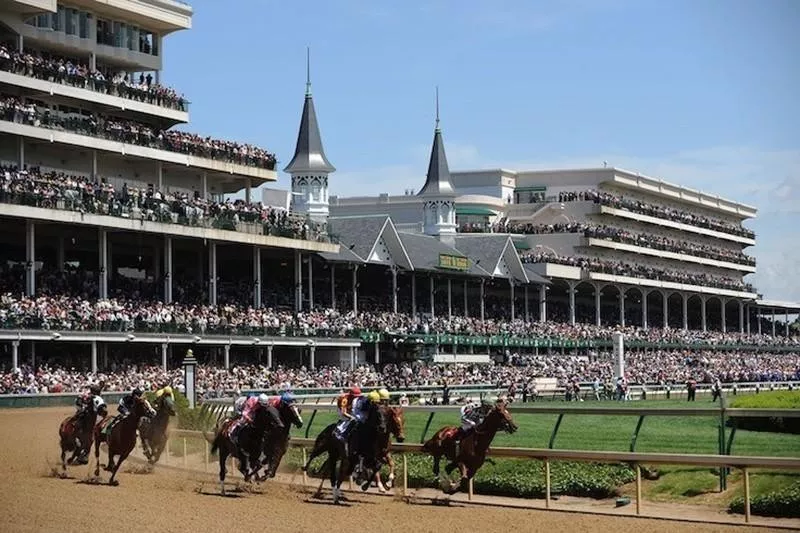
58,19
84,20
71,21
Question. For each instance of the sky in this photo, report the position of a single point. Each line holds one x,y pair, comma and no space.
702,93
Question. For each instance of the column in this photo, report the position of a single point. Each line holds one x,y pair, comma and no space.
14,355
622,307
256,277
298,282
773,322
21,152
160,175
786,325
355,289
513,306
741,317
665,311
94,357
94,165
449,298
394,289
483,298
466,302
227,355
33,356
60,255
413,295
312,352
212,273
92,61
644,308
164,352
758,319
310,282
597,293
527,306
377,353
103,262
167,269
685,310
542,303
703,317
352,357
30,258
431,293
722,306
20,43
204,185
248,190
748,319
269,355
333,285
571,291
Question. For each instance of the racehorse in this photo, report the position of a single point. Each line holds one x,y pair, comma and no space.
76,435
248,447
121,440
153,431
360,442
395,425
277,439
472,451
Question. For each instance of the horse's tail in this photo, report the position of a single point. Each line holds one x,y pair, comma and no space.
213,440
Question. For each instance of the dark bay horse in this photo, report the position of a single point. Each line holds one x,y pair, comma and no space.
395,426
472,450
153,431
121,440
247,449
277,439
361,442
76,435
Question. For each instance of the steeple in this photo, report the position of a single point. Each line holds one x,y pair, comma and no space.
309,168
438,192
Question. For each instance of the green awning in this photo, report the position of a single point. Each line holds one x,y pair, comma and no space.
475,211
521,245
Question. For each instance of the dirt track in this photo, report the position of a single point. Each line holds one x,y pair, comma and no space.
165,500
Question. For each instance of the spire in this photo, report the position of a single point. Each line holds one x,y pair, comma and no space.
309,156
438,179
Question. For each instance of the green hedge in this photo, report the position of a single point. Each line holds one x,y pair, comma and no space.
768,400
516,478
783,503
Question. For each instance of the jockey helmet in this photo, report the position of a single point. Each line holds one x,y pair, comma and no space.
189,353
137,392
167,391
263,399
384,394
374,397
95,389
287,397
355,391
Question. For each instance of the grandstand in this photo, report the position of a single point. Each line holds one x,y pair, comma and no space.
120,242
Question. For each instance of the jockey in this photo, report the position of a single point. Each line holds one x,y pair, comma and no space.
166,392
286,398
127,402
361,410
470,417
384,396
250,409
238,405
346,402
85,403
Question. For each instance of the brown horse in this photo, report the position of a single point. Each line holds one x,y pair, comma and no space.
153,431
472,450
395,425
277,439
121,440
75,434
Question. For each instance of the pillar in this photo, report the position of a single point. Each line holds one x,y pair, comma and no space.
413,295
703,317
21,152
685,311
269,355
466,301
212,273
189,367
483,298
227,355
431,291
310,282
644,308
14,355
312,352
758,319
352,357
542,303
355,289
30,258
597,294
60,255
204,185
160,175
377,353
773,322
167,269
786,325
33,356
449,298
722,306
92,61
95,171
741,316
333,285
665,310
248,189
622,307
103,263
527,306
394,289
619,355
164,352
513,304
747,315
20,43
298,282
571,291
256,277
94,357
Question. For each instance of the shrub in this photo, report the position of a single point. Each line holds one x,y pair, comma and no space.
768,400
783,503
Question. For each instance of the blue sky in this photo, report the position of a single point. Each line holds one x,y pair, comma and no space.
703,93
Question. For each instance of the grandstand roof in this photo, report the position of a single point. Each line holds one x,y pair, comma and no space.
777,305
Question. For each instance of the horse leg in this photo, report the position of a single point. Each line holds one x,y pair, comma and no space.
63,458
390,462
110,464
97,457
436,464
113,480
223,458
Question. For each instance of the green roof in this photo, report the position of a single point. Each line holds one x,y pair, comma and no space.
477,211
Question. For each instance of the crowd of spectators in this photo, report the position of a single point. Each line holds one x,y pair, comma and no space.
631,270
66,313
656,242
127,131
650,367
73,72
57,190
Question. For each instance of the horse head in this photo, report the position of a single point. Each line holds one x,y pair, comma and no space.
167,405
396,423
506,422
290,414
143,408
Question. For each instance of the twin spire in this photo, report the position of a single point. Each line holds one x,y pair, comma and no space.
438,182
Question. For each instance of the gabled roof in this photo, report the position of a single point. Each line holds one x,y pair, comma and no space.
358,233
344,255
424,252
309,156
533,277
485,249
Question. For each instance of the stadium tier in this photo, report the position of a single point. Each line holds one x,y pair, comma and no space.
120,241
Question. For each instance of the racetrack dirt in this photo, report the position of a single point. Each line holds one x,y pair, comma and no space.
169,500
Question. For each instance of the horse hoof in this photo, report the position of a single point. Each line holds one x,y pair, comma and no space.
113,482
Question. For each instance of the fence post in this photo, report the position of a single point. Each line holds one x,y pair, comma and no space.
205,454
638,489
427,426
166,451
405,475
723,471
305,476
547,483
746,475
185,460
